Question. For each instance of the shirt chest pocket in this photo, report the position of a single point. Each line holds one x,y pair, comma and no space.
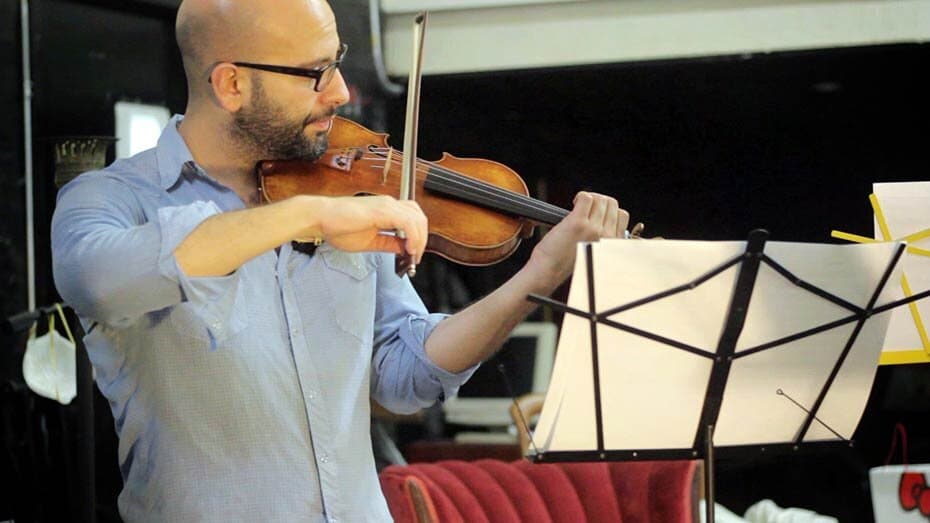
350,285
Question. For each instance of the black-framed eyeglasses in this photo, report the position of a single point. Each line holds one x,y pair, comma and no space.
321,76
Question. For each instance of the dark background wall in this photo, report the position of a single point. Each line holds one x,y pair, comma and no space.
711,149
85,57
13,213
699,149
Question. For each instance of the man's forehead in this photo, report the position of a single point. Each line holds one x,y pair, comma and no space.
306,50
309,32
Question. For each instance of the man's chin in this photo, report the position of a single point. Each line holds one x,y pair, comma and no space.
312,157
313,153
316,142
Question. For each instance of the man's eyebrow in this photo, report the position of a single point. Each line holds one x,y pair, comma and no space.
322,61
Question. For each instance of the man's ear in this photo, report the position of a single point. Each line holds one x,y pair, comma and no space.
228,86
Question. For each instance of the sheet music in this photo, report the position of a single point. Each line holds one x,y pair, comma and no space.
652,394
906,207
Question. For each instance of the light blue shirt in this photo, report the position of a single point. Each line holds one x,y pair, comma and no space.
243,397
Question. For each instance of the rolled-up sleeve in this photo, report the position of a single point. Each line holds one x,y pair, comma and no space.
113,259
404,379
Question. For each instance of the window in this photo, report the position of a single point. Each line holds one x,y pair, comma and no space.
138,127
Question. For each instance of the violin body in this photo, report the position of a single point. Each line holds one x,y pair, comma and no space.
461,197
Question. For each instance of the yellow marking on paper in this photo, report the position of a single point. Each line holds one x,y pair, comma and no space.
886,233
904,356
917,236
880,217
897,357
850,237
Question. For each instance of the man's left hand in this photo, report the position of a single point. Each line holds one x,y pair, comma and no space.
594,216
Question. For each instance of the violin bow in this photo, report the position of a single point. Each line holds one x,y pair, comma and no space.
404,263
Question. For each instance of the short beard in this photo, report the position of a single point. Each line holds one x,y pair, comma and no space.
265,130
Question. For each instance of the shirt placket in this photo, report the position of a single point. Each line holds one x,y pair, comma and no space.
308,378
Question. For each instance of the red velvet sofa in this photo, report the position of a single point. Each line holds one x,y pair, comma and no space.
498,491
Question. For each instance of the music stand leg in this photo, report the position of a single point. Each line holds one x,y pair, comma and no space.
709,475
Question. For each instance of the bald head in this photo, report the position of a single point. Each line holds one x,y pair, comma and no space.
284,32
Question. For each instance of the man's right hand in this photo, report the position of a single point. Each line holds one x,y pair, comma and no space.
368,223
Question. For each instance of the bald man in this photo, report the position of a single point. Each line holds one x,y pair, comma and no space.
239,370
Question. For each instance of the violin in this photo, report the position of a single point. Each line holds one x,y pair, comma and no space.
478,210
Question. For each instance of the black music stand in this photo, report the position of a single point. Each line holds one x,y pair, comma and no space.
720,361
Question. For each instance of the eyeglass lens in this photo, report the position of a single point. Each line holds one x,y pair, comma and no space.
329,71
326,75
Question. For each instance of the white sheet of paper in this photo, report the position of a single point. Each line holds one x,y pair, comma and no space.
652,394
906,207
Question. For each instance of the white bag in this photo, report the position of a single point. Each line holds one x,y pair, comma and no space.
49,363
900,493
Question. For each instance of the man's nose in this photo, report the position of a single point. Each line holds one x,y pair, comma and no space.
337,92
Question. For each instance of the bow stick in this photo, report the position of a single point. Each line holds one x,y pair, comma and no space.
404,263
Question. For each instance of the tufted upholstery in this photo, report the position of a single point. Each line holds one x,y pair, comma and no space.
497,491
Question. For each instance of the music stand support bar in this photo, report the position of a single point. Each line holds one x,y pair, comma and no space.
595,367
709,494
849,344
726,347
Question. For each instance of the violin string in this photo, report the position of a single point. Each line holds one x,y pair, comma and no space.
467,186
512,202
517,203
478,192
461,180
453,176
449,175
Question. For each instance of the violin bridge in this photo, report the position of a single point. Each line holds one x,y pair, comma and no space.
387,166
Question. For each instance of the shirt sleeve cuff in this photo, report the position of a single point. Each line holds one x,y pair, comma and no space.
212,298
414,334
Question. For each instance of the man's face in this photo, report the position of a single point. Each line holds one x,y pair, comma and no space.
288,116
271,132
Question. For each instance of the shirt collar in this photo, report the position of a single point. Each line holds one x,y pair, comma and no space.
172,153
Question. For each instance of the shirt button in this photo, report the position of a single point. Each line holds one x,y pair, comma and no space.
324,459
311,396
295,331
